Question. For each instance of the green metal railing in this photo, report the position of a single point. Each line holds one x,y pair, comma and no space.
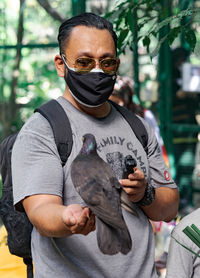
165,90
78,6
180,138
16,46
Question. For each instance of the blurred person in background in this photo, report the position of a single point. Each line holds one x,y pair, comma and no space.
123,94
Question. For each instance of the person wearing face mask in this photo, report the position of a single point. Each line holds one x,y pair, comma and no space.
88,63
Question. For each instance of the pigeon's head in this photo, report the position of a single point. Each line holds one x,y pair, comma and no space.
89,144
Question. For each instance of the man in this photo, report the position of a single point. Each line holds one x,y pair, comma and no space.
181,262
88,63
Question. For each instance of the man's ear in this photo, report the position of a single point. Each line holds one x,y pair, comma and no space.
60,67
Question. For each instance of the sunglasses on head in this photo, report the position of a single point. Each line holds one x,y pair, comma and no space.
86,64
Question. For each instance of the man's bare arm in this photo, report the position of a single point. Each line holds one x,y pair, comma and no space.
165,205
51,218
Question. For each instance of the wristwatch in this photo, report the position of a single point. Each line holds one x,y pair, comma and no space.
149,196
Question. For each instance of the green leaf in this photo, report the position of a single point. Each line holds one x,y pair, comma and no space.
122,49
190,37
130,21
176,10
117,8
146,42
121,5
109,14
171,19
121,18
173,33
122,37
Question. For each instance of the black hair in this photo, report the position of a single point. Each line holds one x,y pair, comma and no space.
85,19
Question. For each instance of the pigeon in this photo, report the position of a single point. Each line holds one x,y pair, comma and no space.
97,185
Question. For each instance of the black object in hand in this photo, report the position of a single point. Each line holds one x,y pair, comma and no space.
130,163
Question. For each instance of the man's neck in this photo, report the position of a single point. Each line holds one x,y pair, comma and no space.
97,112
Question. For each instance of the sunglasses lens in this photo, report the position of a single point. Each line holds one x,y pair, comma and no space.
109,65
84,65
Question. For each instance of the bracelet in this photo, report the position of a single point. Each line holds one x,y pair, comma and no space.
149,196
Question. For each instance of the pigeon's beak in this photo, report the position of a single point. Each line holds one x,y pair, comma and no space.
83,139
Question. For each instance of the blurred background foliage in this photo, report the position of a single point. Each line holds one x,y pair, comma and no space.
27,74
137,21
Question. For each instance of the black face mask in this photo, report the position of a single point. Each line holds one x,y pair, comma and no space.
90,89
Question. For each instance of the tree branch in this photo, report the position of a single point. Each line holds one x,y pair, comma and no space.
52,12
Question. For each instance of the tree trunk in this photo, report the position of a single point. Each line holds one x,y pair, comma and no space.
9,109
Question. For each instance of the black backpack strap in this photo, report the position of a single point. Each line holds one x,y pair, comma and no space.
29,264
135,123
60,125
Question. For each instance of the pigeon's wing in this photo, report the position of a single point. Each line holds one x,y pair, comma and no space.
94,181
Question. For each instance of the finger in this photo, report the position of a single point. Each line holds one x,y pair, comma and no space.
130,190
89,227
68,218
92,220
86,212
134,196
82,220
129,183
85,215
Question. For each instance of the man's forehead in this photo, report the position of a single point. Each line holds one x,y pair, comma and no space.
83,29
85,33
90,40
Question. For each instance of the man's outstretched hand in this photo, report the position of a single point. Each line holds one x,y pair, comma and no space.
79,220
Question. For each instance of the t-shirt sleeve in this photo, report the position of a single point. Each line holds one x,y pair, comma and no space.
36,165
159,172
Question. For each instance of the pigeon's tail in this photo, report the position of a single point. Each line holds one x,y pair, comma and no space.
112,241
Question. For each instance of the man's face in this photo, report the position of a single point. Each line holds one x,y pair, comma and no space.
89,42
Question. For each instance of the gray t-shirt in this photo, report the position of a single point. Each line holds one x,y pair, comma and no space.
37,169
181,263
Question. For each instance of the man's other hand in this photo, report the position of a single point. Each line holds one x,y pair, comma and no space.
135,185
